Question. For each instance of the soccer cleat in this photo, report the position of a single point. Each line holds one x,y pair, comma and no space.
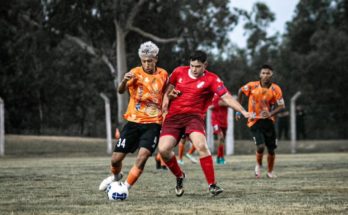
181,162
179,189
192,159
215,190
271,175
104,184
258,171
222,160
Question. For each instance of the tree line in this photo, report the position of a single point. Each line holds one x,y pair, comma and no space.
58,56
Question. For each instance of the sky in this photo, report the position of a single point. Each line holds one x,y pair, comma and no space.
283,10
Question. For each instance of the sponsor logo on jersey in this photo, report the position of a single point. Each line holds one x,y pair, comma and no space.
200,85
180,80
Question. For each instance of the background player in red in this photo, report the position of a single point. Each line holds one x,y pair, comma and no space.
146,85
219,122
265,101
191,89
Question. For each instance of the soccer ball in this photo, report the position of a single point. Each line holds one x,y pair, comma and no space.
117,191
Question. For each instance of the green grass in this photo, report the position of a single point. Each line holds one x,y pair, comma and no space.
66,183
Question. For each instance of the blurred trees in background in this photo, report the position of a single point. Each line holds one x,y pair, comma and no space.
57,56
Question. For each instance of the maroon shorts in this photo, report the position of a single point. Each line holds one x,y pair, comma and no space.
218,129
182,124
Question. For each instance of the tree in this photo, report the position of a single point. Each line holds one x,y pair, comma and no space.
313,59
191,25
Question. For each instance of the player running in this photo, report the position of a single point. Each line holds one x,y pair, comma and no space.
219,122
146,85
191,89
265,101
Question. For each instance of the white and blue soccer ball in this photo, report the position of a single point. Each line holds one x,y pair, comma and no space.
117,191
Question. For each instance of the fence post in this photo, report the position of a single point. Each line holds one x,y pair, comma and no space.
108,123
2,128
293,121
209,130
230,132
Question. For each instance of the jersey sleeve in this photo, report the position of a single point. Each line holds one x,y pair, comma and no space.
217,86
246,89
279,96
132,80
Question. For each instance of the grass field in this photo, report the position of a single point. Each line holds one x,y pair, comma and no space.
314,183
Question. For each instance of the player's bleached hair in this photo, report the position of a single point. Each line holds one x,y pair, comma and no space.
148,49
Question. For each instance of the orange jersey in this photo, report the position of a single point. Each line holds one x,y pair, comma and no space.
146,94
261,99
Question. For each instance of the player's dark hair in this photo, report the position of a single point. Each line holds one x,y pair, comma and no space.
198,55
266,66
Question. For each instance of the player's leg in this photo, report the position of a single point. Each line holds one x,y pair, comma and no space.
148,140
166,145
259,140
221,146
216,132
127,142
271,144
199,141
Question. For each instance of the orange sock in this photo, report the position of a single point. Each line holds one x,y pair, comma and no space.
192,150
181,149
133,175
259,158
270,162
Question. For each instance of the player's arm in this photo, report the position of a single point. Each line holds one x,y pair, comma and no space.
123,84
240,96
166,99
233,103
239,99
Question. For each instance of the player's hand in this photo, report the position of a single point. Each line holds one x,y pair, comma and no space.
174,93
238,116
265,114
128,76
248,114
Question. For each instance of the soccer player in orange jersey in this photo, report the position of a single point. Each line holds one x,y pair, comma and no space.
191,89
146,85
265,101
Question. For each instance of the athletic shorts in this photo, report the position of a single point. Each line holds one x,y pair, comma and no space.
136,135
182,124
263,132
217,129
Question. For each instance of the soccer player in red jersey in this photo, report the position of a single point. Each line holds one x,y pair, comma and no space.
146,85
265,101
219,122
191,90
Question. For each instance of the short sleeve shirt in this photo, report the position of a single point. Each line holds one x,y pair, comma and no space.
261,99
196,93
146,94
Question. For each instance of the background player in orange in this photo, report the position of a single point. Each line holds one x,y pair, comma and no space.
181,150
192,89
219,122
265,101
146,85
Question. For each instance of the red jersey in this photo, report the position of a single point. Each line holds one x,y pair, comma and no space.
219,113
196,93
